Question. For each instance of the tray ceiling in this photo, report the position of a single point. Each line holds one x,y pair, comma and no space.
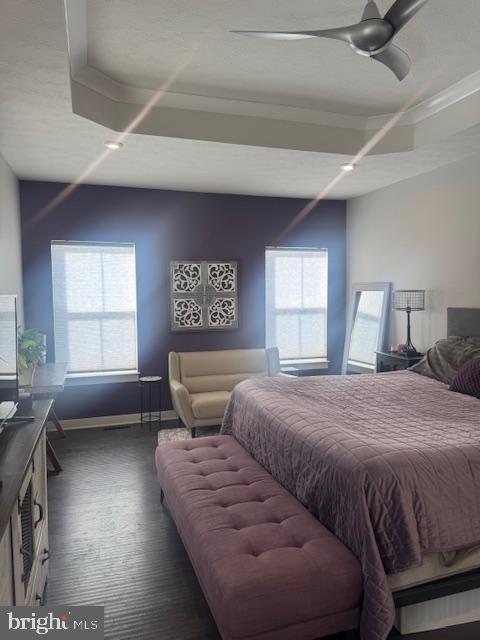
140,44
216,126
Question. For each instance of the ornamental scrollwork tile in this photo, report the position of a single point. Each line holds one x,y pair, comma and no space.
222,276
187,313
186,277
222,312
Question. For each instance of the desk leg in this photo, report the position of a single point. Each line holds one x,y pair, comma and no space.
58,426
52,456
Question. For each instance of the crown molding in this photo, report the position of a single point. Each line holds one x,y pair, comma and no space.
76,25
101,83
431,106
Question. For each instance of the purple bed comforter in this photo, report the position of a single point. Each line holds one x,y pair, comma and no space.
389,462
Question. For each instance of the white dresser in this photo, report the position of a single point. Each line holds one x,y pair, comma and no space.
24,549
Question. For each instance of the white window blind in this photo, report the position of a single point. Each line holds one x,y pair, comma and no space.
296,302
95,308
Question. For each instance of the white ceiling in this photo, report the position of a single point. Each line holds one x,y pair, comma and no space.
42,139
142,43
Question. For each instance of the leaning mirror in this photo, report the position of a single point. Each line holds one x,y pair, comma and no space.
366,326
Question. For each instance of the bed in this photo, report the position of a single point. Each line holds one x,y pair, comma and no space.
389,462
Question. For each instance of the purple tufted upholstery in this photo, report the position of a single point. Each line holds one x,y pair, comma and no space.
268,568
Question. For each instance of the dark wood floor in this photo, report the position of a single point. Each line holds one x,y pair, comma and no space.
112,543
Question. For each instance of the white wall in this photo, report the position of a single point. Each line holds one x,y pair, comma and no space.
422,233
10,240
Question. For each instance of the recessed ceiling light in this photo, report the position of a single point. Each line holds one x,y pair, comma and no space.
347,167
113,145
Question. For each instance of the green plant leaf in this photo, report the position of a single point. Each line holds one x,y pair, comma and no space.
30,347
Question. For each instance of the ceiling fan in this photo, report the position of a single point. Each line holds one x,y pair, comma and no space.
371,37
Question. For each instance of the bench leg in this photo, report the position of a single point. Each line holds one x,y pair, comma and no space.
194,432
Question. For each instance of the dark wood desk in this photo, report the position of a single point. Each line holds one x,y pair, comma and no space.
48,381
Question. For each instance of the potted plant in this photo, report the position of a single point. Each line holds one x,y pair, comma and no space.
31,352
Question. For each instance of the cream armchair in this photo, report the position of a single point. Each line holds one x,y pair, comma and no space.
201,381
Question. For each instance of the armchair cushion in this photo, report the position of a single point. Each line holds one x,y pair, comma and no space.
209,404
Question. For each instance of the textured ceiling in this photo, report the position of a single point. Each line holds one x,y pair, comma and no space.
141,43
42,139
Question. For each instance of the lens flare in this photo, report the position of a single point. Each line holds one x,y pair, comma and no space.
365,150
115,143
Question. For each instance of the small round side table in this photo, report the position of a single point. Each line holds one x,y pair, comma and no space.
150,401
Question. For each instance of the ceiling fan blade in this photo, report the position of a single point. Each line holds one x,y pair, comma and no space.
341,33
402,11
276,35
395,59
371,11
346,34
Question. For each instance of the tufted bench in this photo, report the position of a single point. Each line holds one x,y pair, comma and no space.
269,570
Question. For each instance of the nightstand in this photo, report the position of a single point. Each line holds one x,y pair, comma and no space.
393,361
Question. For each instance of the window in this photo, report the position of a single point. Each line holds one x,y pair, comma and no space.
296,303
95,309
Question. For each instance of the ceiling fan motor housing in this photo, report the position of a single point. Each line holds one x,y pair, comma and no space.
371,36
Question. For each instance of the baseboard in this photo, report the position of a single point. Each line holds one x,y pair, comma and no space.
101,422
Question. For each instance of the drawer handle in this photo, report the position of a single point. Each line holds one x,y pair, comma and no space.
40,513
46,555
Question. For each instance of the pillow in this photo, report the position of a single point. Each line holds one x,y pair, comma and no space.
446,357
467,379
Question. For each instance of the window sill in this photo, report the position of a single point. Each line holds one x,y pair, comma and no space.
107,377
305,364
360,367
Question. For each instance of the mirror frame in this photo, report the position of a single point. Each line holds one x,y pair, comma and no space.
357,289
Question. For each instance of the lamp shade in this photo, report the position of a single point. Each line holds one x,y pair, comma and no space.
408,298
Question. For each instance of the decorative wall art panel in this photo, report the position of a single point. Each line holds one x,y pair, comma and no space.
204,295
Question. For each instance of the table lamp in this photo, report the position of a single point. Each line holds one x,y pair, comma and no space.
409,300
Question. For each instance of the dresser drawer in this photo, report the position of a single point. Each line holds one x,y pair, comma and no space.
29,523
39,491
6,573
38,577
39,468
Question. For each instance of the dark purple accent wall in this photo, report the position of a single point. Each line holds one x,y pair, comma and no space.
166,225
